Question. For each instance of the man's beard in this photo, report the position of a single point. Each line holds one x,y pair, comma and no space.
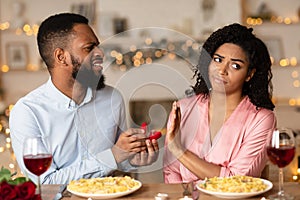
86,77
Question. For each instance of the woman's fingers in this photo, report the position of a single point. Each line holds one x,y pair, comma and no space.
174,120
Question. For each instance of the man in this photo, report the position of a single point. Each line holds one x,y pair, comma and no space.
81,118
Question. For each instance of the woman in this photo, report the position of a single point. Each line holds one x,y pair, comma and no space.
222,130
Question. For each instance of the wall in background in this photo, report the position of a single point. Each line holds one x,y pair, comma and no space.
188,18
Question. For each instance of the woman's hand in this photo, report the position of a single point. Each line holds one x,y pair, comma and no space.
173,132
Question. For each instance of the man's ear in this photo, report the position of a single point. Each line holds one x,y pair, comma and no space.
59,56
250,75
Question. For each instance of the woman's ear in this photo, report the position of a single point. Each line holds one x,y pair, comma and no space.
250,75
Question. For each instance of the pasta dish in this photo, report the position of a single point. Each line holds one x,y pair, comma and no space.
234,184
106,185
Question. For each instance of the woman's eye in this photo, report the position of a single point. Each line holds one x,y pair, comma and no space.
217,59
236,66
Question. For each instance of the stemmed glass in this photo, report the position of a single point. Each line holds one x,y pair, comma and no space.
281,151
37,157
190,190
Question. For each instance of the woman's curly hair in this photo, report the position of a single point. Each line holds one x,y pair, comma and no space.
259,88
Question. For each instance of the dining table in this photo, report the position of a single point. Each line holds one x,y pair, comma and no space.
174,191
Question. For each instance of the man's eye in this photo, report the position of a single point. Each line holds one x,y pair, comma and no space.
90,48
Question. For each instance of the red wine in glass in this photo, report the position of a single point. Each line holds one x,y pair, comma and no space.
281,156
37,164
281,151
37,157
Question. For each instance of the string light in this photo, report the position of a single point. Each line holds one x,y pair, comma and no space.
149,51
6,147
256,21
286,62
27,29
297,176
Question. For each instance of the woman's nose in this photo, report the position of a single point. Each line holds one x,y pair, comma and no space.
222,68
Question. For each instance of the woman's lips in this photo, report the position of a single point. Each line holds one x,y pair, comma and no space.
219,80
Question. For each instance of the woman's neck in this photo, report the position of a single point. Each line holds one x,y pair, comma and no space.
228,102
221,106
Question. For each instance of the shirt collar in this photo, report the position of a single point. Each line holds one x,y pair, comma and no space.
63,99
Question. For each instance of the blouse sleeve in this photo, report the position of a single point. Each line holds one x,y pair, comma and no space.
171,169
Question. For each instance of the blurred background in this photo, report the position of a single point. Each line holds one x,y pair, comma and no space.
151,48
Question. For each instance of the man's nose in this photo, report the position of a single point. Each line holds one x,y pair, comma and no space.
97,51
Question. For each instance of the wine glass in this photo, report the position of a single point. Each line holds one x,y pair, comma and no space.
281,151
190,190
37,157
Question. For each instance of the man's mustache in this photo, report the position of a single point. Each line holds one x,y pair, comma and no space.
97,58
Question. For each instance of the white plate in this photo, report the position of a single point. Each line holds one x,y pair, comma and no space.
234,195
107,196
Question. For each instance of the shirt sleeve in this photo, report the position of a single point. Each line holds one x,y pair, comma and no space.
251,157
124,166
102,165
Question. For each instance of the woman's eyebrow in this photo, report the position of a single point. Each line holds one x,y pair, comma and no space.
233,59
219,55
237,60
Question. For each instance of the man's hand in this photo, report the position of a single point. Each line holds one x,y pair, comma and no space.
129,143
146,157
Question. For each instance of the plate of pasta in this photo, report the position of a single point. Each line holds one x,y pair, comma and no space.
234,187
104,188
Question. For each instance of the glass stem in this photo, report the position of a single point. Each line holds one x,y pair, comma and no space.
280,192
39,186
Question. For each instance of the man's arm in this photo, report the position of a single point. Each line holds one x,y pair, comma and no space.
23,124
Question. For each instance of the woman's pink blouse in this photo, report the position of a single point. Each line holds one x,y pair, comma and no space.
239,147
